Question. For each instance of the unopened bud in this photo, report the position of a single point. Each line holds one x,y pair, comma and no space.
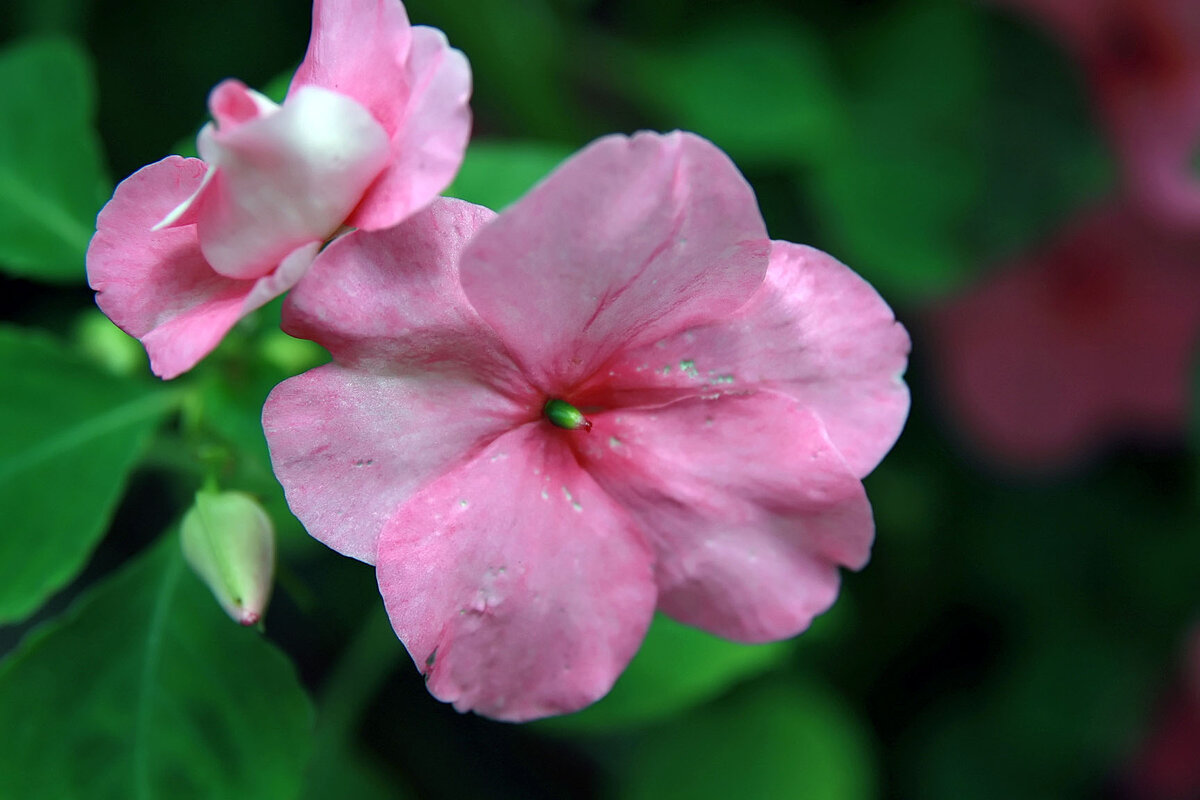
230,543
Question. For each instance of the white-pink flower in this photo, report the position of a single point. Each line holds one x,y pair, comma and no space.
737,389
374,126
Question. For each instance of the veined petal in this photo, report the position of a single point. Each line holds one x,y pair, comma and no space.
749,507
156,285
411,81
427,147
815,331
349,446
627,241
231,103
519,587
421,382
387,301
359,48
285,179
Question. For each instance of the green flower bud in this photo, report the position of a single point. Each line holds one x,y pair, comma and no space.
228,540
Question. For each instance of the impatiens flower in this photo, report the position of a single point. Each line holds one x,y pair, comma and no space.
616,395
373,127
1092,336
1142,60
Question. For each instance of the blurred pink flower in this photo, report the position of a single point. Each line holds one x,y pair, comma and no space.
1166,764
716,399
373,127
1142,61
1089,337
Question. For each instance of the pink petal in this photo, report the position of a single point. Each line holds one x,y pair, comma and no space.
423,382
427,150
411,81
156,285
815,331
749,507
630,239
519,588
359,48
349,446
381,299
285,179
232,103
1093,335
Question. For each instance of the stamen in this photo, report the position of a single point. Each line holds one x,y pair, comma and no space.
565,415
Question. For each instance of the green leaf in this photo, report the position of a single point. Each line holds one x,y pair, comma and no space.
144,690
767,739
678,667
352,773
495,173
69,436
760,88
521,54
52,180
899,192
339,768
1044,155
1059,713
51,16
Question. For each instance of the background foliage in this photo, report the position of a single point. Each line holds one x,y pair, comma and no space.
1012,636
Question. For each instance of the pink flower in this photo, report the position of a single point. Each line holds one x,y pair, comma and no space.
1142,60
618,394
373,127
1090,337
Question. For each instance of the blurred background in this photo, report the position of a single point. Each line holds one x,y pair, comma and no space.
1015,178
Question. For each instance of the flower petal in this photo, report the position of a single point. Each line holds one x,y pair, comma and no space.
815,331
427,150
349,446
232,103
627,241
411,81
519,588
421,381
359,48
749,507
156,285
381,300
285,179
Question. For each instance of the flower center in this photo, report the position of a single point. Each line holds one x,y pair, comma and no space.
565,415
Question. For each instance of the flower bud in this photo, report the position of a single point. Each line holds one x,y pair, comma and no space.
228,540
